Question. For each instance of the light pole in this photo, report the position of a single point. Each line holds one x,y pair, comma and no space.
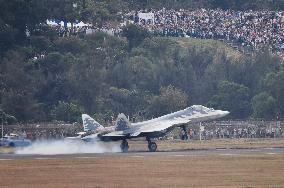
200,131
2,128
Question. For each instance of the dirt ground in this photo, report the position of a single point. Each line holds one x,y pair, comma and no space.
153,170
148,171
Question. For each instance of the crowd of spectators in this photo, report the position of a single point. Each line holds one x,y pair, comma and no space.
69,31
63,31
237,129
247,28
210,130
251,29
244,132
43,131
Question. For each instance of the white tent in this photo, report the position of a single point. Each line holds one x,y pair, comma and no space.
80,24
51,23
62,24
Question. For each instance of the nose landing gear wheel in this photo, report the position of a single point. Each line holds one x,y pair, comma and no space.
124,146
152,146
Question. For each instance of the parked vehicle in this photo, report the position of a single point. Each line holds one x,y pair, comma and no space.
14,140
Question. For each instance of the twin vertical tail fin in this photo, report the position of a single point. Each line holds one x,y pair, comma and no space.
90,124
122,123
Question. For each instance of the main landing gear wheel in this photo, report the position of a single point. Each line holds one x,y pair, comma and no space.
184,135
124,146
152,146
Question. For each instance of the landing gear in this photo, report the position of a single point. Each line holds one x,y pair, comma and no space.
184,135
152,146
124,146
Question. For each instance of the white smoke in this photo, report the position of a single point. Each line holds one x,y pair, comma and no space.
68,146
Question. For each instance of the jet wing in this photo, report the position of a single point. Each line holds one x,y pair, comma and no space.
194,113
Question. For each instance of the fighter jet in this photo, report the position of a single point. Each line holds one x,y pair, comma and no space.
150,129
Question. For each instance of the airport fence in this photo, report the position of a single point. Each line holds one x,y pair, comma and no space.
237,129
208,130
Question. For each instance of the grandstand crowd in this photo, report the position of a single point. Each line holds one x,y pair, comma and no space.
67,29
75,31
247,28
253,29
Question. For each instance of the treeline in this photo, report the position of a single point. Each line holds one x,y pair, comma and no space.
102,75
19,16
139,75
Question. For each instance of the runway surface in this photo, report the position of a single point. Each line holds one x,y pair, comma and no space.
175,153
258,167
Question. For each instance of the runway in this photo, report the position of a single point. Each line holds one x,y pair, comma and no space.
141,154
258,167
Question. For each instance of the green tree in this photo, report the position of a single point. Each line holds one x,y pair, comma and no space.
7,37
7,118
98,12
67,10
170,99
232,97
67,112
135,35
257,68
17,89
23,14
264,106
273,83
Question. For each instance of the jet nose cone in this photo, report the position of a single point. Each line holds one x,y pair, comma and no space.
224,113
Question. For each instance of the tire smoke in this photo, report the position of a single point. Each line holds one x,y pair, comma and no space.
68,146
